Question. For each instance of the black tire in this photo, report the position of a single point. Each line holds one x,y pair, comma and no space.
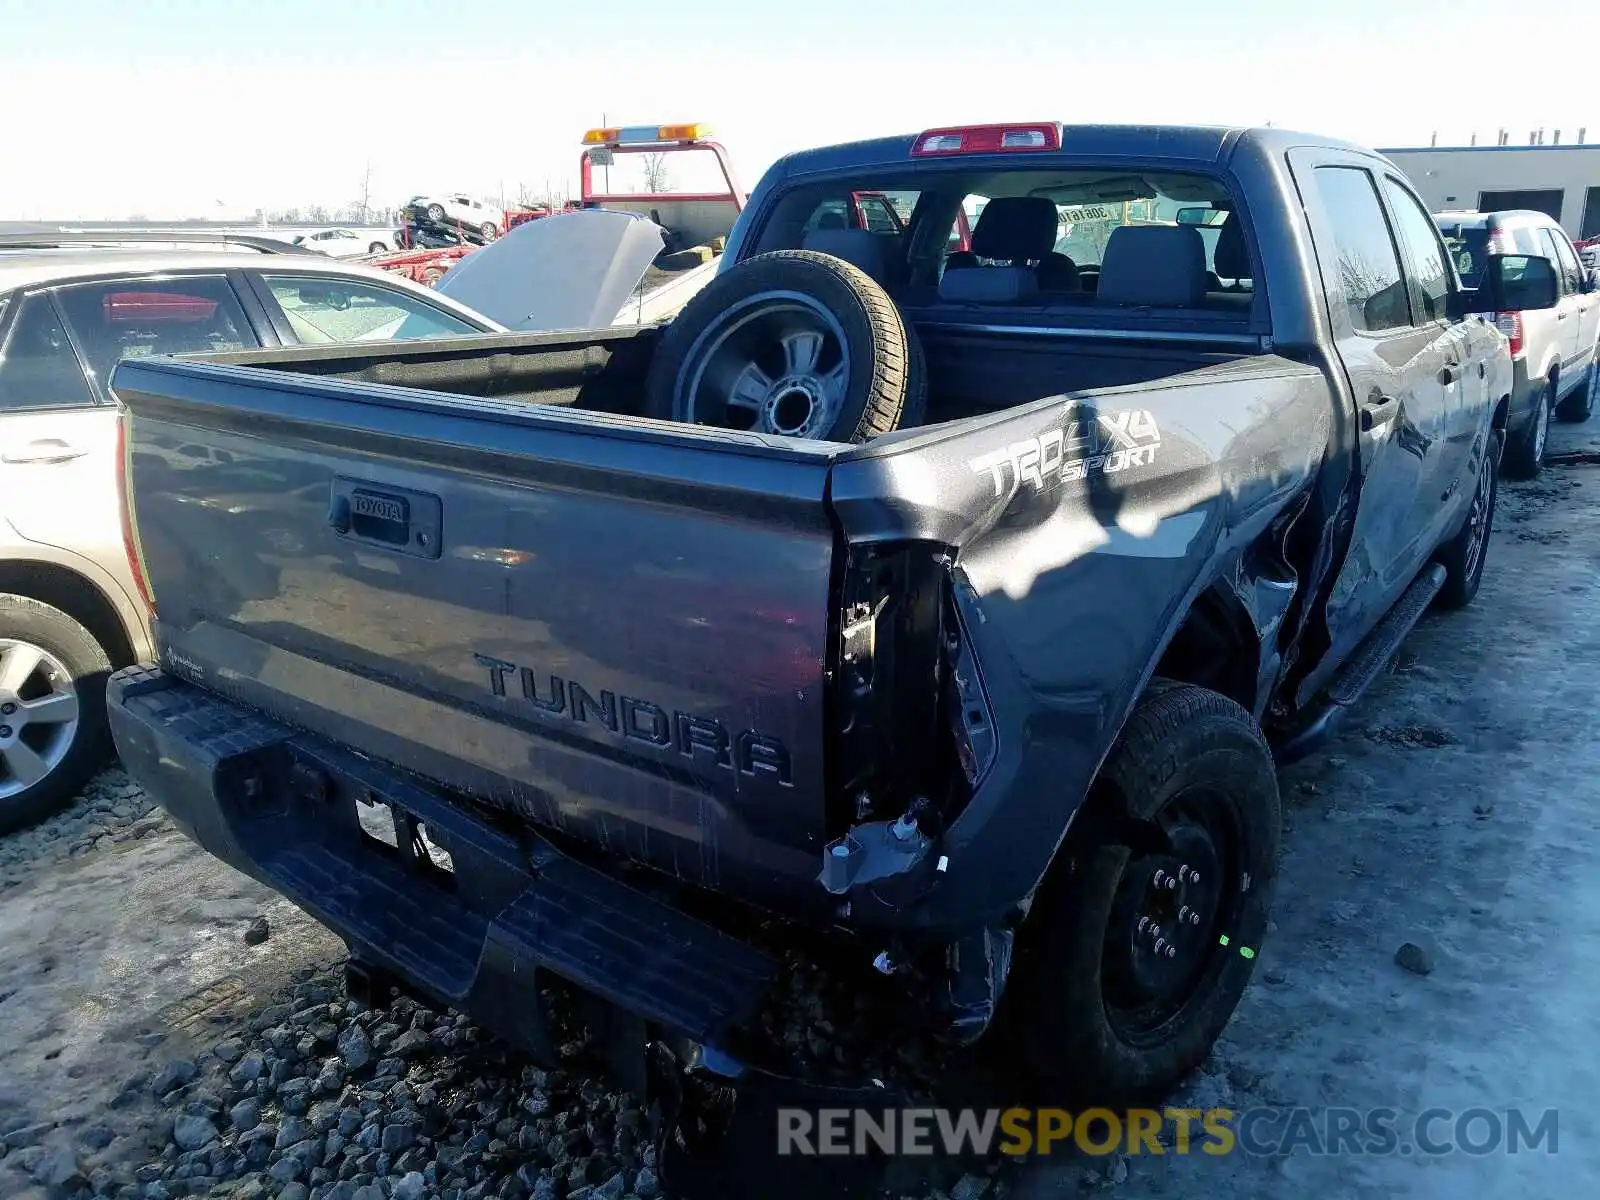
489,230
1579,406
376,248
23,619
1525,449
886,380
1187,755
1466,552
435,212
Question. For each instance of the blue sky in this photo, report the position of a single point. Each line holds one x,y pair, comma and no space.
164,107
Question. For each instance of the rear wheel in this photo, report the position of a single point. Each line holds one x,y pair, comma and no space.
1579,406
376,248
435,212
1134,959
53,730
1524,455
1463,556
489,230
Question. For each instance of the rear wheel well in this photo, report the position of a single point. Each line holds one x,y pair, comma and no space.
1502,414
63,588
1216,647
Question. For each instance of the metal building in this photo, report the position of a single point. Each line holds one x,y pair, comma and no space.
1563,181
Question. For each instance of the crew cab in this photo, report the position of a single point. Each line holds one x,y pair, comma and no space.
993,701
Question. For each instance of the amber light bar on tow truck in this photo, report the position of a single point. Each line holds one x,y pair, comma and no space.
646,135
987,139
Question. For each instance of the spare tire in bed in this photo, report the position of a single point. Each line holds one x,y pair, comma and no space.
794,342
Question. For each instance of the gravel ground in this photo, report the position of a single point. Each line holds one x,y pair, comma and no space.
169,1028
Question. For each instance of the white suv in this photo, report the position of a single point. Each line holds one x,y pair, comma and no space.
457,208
1552,352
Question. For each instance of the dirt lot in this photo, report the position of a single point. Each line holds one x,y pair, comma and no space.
1458,810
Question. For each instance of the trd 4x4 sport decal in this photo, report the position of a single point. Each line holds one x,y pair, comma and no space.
1083,445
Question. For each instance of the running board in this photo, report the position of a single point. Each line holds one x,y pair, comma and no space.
1365,665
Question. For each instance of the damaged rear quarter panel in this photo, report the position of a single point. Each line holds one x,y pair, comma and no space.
1072,578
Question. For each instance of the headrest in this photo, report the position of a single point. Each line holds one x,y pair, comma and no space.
1013,227
856,246
1232,255
832,220
958,260
1058,273
1156,266
990,285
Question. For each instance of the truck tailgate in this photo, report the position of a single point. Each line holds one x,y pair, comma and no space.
614,630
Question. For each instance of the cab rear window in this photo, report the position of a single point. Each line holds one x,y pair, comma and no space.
1056,233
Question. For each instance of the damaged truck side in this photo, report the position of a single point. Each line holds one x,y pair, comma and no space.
992,700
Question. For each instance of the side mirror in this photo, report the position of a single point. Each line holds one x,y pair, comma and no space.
1514,283
1591,280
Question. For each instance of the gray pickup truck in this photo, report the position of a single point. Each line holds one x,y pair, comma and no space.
993,700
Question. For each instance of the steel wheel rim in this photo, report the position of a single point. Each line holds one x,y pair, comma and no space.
776,362
1478,517
1163,947
39,715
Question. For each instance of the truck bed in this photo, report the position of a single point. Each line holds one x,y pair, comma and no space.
630,632
970,373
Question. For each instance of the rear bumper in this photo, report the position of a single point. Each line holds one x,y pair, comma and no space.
286,809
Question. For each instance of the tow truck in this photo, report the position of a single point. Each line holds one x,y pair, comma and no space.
694,223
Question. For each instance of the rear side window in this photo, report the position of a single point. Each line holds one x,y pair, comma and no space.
1430,273
1366,266
135,318
38,368
1566,261
353,310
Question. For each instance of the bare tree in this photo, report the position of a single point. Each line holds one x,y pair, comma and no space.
655,172
365,202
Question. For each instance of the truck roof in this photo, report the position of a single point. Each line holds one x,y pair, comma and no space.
1208,143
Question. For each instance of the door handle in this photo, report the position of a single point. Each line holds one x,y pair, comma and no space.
1376,411
1482,370
1561,316
44,450
1449,373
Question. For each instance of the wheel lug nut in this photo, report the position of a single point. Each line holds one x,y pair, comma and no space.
1144,923
7,709
1194,918
1161,946
1161,879
1155,932
1172,882
1172,951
